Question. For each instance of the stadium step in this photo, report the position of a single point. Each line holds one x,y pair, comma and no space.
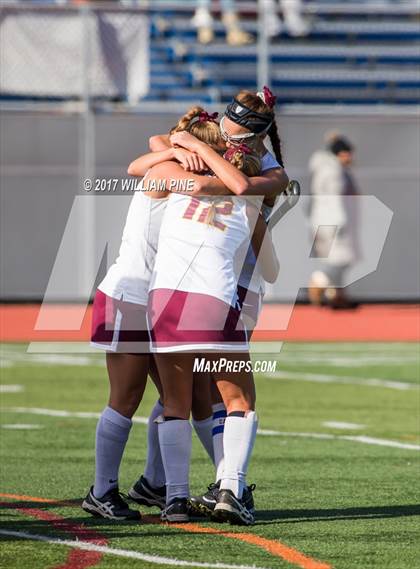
352,30
308,53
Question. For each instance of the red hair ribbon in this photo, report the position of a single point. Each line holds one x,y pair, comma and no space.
268,97
204,116
242,148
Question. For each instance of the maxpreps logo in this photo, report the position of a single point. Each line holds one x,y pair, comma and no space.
204,365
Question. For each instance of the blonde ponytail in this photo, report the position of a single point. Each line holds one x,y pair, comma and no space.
200,124
244,159
185,122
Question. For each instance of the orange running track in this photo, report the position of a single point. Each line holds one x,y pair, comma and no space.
368,323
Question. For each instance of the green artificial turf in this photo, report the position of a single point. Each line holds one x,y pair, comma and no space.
349,504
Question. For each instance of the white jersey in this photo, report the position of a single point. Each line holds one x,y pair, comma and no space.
197,256
249,275
129,277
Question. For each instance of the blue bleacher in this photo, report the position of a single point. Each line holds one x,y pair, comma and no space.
357,52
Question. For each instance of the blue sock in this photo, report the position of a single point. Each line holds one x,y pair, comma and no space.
111,437
219,417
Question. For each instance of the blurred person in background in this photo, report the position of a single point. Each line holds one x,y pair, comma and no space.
293,20
203,21
331,176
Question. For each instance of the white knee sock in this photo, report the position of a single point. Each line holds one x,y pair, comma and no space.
238,442
204,432
219,417
111,437
175,438
154,471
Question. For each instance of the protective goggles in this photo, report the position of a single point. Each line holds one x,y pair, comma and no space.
235,139
257,123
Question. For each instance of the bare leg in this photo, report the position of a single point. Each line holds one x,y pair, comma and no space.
127,378
237,389
202,397
154,375
175,371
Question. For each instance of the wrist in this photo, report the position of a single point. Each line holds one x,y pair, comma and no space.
199,146
170,152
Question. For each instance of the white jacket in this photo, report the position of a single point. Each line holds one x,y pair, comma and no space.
330,178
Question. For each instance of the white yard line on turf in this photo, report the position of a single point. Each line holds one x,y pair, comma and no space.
156,559
61,348
52,360
327,378
352,361
380,442
11,388
21,426
62,413
342,425
264,432
356,439
94,359
357,347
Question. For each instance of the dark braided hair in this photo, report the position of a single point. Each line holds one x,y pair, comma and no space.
273,134
254,102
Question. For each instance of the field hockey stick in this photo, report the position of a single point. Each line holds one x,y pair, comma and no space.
292,193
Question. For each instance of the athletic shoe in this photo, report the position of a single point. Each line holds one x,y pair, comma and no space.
205,504
231,509
176,511
110,506
248,498
144,494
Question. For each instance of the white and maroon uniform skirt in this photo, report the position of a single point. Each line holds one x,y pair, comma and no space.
193,302
119,322
118,325
183,321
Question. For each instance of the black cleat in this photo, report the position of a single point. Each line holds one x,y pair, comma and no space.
248,498
176,511
144,494
205,504
110,506
233,510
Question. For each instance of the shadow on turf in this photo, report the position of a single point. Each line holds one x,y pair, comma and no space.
104,528
365,512
263,517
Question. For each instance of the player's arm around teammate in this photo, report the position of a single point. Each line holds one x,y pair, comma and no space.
188,160
269,184
249,118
